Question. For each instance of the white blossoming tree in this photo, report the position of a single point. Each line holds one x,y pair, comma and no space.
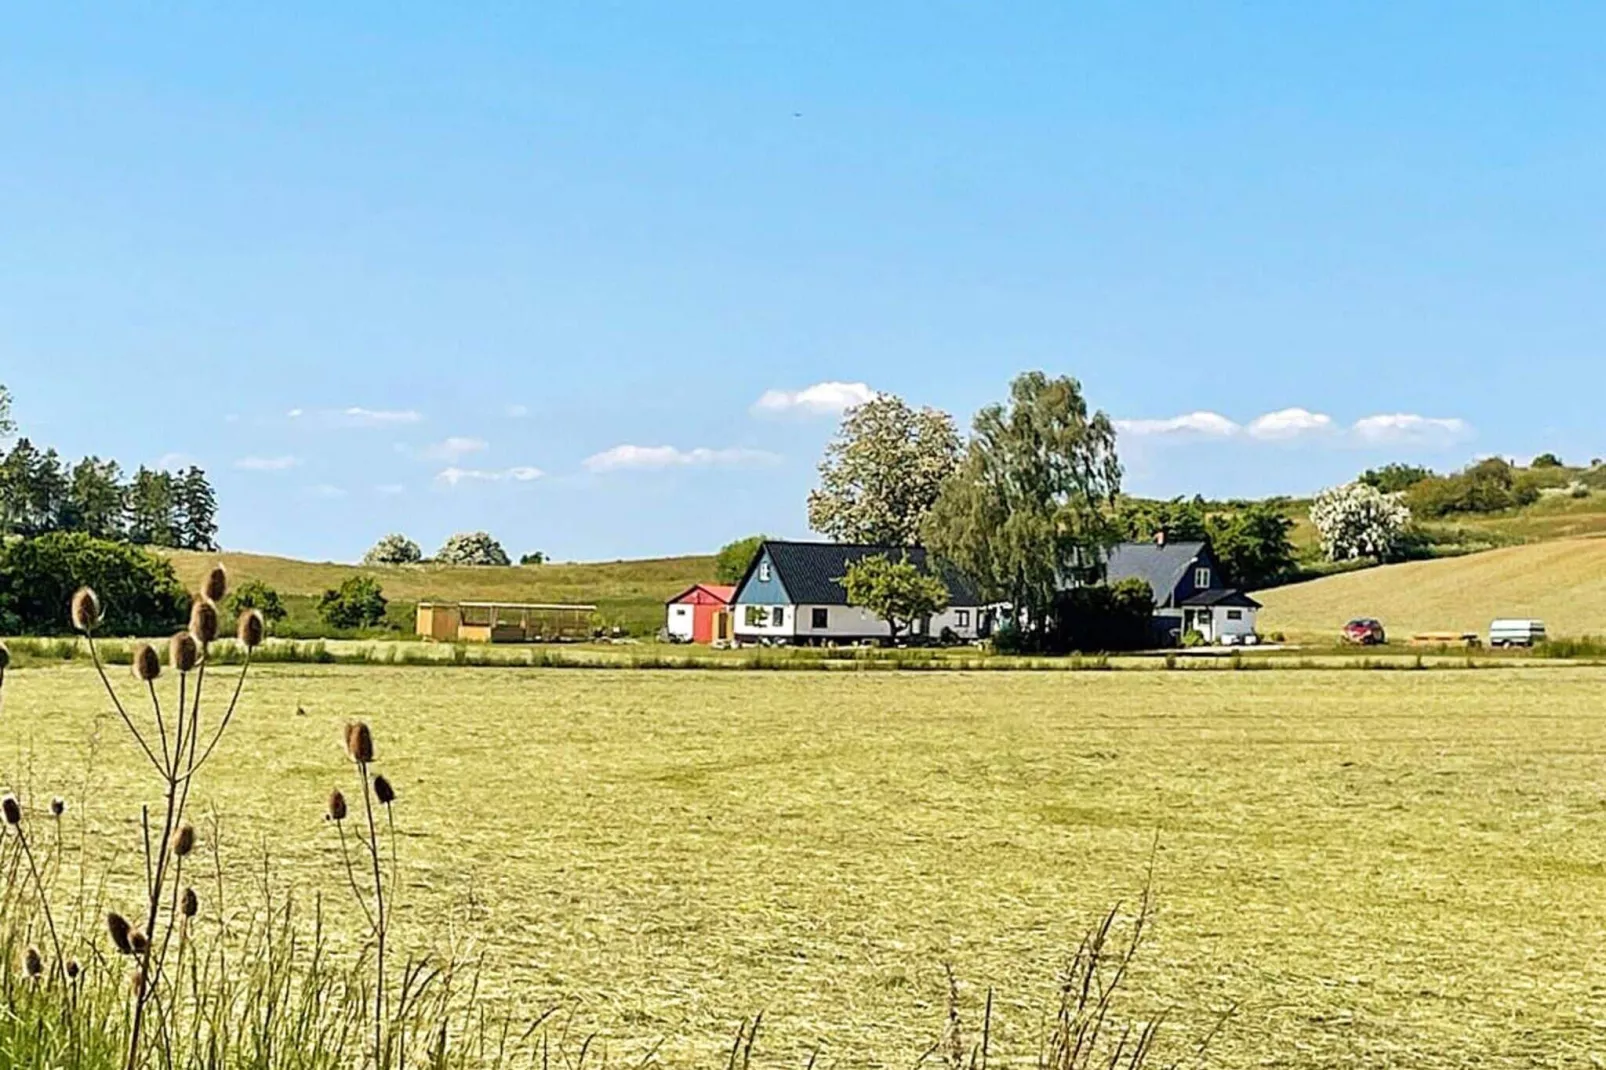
1358,520
472,548
393,549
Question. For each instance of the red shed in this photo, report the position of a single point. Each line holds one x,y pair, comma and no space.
700,613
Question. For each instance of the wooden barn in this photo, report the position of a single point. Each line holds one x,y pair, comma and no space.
700,614
504,622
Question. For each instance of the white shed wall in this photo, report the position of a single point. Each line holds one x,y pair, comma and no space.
679,622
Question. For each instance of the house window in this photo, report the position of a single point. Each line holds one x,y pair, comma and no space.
764,571
1201,578
962,618
753,616
778,616
1235,614
820,617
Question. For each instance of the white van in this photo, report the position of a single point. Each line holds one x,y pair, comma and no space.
1516,632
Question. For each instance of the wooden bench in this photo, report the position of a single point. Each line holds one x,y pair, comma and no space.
1466,639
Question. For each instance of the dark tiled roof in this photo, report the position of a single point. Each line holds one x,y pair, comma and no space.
812,571
1161,567
1222,596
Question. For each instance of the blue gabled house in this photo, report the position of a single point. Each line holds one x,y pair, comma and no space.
1190,590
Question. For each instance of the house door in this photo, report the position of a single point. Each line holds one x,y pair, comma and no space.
722,625
1199,620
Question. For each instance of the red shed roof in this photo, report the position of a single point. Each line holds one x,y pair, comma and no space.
718,592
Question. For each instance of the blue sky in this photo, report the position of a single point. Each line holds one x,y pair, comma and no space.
531,268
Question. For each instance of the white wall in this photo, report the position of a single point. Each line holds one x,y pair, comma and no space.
1225,625
768,629
679,623
845,623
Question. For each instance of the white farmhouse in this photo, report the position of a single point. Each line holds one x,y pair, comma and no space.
792,593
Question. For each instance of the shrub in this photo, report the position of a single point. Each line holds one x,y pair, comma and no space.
1192,638
1490,486
394,549
1358,520
731,563
1393,478
1546,460
358,602
1115,617
139,593
534,557
472,548
254,594
1579,490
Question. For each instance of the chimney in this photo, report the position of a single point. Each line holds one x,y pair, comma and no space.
1159,537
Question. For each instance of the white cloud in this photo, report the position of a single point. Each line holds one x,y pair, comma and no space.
454,448
821,399
1408,427
453,475
267,464
517,412
1209,424
295,414
326,490
649,457
357,416
1289,423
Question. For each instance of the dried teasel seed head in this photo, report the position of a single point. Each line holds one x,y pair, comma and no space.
251,629
138,942
12,810
184,842
58,806
182,652
117,927
85,609
73,969
191,903
217,584
32,964
337,806
359,742
203,620
147,663
383,791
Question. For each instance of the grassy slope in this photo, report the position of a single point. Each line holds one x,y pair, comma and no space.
1380,869
1561,581
629,591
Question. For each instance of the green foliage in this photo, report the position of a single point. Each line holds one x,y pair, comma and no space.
359,602
1103,617
899,592
7,427
1546,460
734,558
1490,486
534,557
96,499
1252,545
394,549
254,594
1179,518
882,472
472,548
1193,638
1393,478
1030,503
138,591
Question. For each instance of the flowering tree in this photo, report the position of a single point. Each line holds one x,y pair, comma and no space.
882,472
472,548
1358,520
393,550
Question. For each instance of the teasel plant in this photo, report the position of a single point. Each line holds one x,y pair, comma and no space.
363,850
176,754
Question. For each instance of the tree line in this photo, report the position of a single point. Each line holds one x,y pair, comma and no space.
41,493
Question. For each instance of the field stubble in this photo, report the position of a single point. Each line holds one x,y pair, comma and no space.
1401,868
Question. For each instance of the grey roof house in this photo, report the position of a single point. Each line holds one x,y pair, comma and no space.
1189,588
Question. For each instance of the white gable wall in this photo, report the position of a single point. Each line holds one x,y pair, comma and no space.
680,622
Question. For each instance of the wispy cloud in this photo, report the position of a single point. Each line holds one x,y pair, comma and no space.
454,448
390,490
1408,427
1207,424
452,475
267,464
821,399
169,462
326,490
517,412
1287,424
653,457
357,416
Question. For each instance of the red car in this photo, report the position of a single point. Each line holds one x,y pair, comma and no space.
1364,631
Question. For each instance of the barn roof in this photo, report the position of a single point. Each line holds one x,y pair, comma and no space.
1161,567
812,572
722,591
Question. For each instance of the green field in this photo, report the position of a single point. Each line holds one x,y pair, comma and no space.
627,593
1379,868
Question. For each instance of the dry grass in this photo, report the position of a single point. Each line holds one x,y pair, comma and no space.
1381,868
1561,582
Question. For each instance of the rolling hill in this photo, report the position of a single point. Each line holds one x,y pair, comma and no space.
1560,581
630,593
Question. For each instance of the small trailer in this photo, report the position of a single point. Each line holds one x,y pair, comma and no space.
1516,632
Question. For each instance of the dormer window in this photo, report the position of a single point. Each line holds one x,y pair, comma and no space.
1201,578
764,571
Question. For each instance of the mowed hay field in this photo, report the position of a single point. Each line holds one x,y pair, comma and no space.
1379,868
1562,583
